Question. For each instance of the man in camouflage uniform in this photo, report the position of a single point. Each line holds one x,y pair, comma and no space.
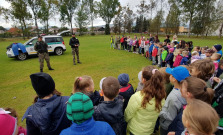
74,43
42,51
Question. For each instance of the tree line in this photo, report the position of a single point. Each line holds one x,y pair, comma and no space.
201,16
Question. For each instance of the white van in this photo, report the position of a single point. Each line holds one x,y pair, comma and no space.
55,45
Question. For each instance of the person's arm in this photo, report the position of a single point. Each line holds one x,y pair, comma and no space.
131,108
70,43
32,129
36,47
170,112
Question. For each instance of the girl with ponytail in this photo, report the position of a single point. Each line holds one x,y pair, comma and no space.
195,88
85,84
144,106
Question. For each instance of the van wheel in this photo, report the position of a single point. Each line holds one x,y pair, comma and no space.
22,56
58,51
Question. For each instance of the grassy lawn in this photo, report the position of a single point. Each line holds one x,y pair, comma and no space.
98,61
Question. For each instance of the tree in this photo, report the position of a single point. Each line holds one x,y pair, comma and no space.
115,23
35,6
145,25
82,16
47,11
128,18
156,22
189,8
107,10
93,12
172,22
2,28
67,11
119,21
20,13
143,9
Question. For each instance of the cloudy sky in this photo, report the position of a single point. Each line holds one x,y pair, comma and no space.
55,21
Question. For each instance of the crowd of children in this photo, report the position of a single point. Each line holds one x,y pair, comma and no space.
184,100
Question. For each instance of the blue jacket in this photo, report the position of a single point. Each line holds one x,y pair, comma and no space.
47,116
184,61
151,48
177,124
169,58
220,52
89,127
16,46
112,113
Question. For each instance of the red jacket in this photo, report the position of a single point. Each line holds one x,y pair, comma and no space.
122,40
155,51
177,61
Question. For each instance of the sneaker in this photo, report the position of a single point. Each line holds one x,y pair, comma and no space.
75,64
51,69
79,62
41,70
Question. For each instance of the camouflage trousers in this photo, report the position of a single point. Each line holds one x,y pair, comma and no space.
75,51
43,56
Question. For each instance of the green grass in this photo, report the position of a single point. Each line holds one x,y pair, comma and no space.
98,61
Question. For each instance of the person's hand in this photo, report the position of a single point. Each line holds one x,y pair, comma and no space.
216,79
171,133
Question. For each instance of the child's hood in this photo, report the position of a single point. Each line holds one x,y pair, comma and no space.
112,111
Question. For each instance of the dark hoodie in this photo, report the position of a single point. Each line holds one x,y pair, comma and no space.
47,116
112,113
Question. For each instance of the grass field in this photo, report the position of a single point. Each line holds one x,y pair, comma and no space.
98,61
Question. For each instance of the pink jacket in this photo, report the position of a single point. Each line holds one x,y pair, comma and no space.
177,60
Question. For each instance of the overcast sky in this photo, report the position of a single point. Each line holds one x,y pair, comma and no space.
55,21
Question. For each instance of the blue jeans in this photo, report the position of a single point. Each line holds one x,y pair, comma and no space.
140,50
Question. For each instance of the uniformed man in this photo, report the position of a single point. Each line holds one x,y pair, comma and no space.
74,43
42,51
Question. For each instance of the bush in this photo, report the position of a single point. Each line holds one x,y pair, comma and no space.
92,34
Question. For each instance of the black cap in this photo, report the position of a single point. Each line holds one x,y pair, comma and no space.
43,84
39,36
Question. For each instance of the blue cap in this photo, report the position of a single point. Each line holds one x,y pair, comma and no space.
179,73
151,42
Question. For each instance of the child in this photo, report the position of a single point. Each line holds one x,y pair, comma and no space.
151,49
178,58
166,76
220,69
191,88
85,84
140,84
164,55
200,118
111,109
144,106
203,69
169,58
130,44
48,113
203,55
112,42
217,49
174,101
154,54
215,57
126,89
195,88
195,56
8,124
134,45
79,111
139,45
147,48
159,53
198,49
185,58
209,52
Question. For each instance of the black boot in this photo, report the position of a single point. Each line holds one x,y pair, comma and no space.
51,69
41,70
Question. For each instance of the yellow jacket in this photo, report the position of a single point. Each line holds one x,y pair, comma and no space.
141,121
